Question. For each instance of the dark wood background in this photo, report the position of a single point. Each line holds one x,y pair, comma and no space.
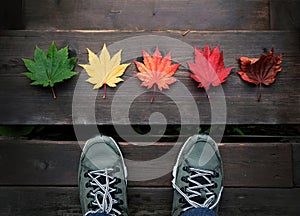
39,177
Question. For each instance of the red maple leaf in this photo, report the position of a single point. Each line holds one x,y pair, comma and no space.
156,71
262,70
209,68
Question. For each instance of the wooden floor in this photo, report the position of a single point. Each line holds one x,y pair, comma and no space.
39,177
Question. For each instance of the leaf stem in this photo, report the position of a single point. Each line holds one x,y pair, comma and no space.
207,93
259,96
153,94
53,93
104,96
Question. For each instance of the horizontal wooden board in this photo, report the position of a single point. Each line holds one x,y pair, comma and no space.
77,102
147,14
296,162
285,14
56,163
48,201
11,14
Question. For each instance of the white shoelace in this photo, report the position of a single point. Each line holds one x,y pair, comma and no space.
101,193
195,191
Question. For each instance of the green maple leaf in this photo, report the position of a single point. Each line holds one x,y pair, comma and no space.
48,69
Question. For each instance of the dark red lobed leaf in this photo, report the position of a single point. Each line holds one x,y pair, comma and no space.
262,70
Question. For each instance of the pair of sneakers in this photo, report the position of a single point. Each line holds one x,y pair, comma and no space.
197,177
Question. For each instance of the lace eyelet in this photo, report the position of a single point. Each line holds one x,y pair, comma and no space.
88,195
186,169
86,174
88,184
119,201
215,185
117,169
184,189
118,191
90,205
184,179
181,200
215,175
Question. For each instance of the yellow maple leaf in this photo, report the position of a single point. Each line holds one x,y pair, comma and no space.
104,70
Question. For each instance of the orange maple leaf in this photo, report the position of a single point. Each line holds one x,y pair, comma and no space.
156,71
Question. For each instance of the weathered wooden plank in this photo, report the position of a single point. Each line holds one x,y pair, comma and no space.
296,163
147,14
11,14
285,14
266,158
35,201
279,103
56,163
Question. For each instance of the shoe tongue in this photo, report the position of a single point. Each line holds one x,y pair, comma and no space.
201,180
95,214
102,180
199,199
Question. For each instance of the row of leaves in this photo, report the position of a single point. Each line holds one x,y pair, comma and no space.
155,71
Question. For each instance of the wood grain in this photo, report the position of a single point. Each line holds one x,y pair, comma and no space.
40,177
25,104
11,14
63,201
147,14
56,163
296,164
285,14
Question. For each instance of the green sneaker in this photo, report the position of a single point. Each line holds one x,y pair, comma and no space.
197,175
102,177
